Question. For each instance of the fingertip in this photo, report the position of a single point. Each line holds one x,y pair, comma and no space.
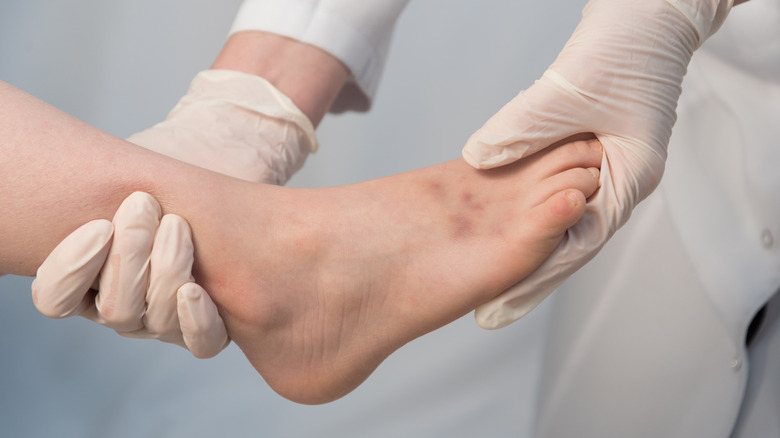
484,153
141,198
138,205
207,353
202,328
175,221
90,237
190,292
174,231
469,158
64,278
102,228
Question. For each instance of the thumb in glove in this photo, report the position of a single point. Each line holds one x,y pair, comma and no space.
619,78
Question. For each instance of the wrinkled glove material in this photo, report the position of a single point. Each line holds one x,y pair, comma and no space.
236,124
618,77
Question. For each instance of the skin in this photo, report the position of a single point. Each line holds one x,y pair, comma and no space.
309,76
360,289
430,245
317,286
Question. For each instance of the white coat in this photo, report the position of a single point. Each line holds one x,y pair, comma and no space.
649,339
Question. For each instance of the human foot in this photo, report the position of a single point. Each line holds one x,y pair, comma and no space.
323,284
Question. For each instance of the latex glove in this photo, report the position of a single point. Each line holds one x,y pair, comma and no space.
146,287
229,122
236,124
619,77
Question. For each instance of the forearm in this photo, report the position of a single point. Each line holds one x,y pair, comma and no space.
309,76
59,173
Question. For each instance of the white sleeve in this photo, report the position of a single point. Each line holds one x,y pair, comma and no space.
357,32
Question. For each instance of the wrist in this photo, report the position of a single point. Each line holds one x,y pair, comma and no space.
309,76
706,16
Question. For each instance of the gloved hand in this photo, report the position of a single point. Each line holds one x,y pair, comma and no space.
618,77
229,122
145,286
236,124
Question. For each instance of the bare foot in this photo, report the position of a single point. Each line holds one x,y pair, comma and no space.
319,286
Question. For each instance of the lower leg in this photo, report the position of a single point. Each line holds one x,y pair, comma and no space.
316,286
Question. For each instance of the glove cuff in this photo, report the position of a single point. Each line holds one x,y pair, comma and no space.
706,15
251,92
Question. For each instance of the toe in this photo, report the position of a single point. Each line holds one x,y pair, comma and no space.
585,181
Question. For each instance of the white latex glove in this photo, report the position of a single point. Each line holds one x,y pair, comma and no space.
229,122
618,77
236,124
145,286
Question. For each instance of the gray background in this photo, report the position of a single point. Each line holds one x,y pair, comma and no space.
121,66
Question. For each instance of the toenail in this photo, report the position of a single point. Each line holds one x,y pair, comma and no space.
572,197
